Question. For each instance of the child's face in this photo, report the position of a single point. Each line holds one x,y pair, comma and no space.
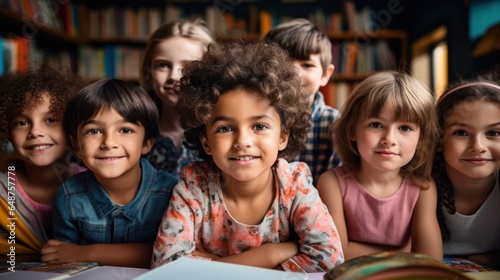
244,140
111,146
311,74
471,144
37,135
385,144
169,57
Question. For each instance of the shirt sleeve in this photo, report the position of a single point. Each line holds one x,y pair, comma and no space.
320,248
64,227
181,221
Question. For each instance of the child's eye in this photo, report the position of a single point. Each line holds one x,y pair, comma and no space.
21,123
126,130
223,129
493,133
51,120
93,131
260,126
375,125
406,128
162,65
460,133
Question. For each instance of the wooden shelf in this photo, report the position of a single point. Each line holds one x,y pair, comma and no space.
50,33
380,34
355,77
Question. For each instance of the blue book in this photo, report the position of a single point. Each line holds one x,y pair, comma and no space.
109,61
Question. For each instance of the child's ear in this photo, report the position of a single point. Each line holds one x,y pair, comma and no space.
283,141
75,146
327,74
205,144
146,147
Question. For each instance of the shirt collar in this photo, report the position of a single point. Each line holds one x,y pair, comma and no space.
104,205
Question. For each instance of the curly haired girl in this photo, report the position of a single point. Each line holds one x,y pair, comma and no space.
31,109
245,112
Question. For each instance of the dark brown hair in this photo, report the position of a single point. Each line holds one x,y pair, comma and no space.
301,38
20,90
130,101
471,91
259,67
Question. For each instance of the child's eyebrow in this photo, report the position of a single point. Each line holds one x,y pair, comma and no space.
253,118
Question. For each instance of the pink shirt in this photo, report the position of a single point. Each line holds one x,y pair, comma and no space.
44,210
197,213
368,219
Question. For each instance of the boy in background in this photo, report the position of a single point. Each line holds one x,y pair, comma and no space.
310,49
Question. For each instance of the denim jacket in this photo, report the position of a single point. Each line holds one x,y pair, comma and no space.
84,213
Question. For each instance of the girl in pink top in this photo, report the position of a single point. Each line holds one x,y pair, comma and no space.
245,204
31,111
383,197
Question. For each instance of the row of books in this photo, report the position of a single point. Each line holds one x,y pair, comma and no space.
48,13
110,61
20,53
75,19
353,57
336,93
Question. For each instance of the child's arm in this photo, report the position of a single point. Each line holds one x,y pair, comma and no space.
178,235
319,242
329,191
425,235
130,254
269,255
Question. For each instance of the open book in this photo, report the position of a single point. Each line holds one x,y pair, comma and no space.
73,271
191,268
394,265
42,270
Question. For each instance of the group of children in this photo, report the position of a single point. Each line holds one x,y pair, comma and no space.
226,152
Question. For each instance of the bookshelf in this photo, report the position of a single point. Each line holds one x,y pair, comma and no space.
99,39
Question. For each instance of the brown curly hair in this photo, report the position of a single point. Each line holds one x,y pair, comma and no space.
260,67
22,89
444,108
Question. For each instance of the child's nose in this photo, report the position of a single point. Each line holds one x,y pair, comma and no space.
36,131
175,73
476,145
389,138
108,142
243,140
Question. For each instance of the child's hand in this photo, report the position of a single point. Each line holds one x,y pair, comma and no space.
201,252
60,251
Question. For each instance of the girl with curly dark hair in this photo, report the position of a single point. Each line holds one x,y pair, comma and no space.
466,166
245,114
31,117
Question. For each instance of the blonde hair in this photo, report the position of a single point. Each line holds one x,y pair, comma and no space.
411,101
194,30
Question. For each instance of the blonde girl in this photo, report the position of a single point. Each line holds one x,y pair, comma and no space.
383,197
169,49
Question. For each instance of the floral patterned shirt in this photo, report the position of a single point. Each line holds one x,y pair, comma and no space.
197,213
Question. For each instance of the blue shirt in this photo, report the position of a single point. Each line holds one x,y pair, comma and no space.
319,153
84,213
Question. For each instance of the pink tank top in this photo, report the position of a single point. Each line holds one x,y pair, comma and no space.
368,219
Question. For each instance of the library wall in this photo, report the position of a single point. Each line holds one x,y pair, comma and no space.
97,39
